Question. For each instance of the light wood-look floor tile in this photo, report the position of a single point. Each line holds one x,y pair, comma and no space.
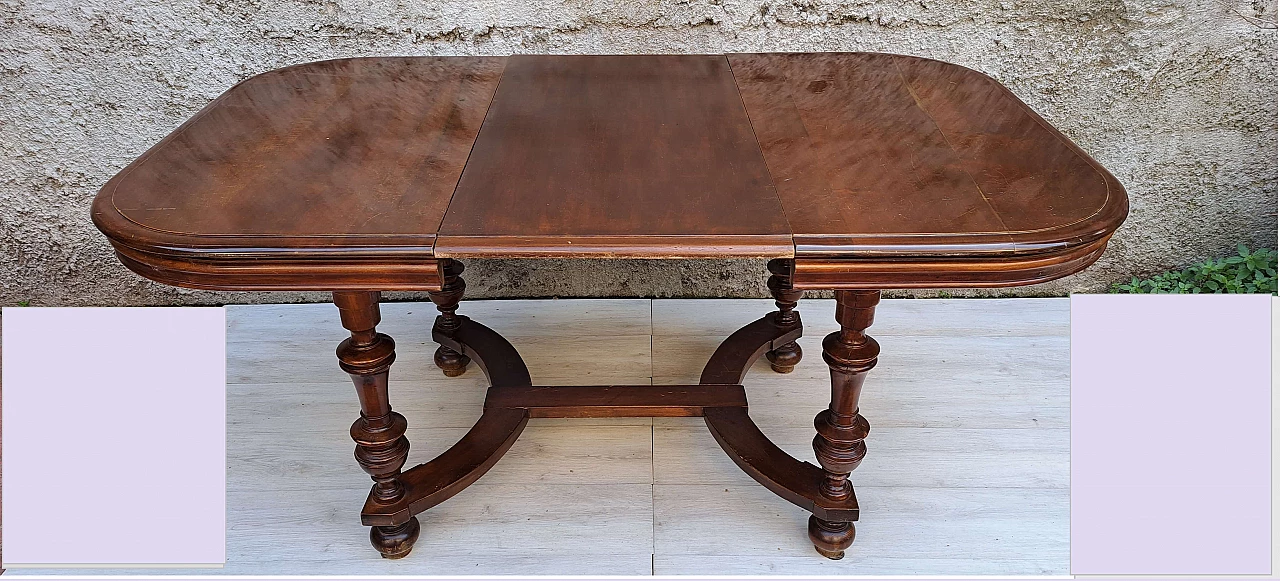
556,454
920,381
929,457
907,523
412,321
966,474
551,360
939,317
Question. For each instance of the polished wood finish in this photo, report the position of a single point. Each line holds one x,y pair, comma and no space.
793,480
648,156
381,448
853,172
434,482
732,359
839,446
511,400
332,175
976,273
500,362
719,398
446,299
882,160
617,401
427,485
784,358
868,170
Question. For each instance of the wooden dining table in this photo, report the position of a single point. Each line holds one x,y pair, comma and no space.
851,172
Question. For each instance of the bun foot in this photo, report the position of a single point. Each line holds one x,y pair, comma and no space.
830,538
451,362
784,358
395,542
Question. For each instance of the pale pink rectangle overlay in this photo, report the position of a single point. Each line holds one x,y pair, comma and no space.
114,436
1171,434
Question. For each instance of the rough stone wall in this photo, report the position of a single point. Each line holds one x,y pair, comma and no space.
1176,98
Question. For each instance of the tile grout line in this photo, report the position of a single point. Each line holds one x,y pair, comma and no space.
653,500
678,525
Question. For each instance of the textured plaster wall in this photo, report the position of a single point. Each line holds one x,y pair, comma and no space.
1176,98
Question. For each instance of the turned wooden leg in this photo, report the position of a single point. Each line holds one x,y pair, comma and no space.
850,354
784,358
381,448
446,299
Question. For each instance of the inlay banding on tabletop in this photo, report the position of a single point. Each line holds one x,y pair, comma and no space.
883,159
335,172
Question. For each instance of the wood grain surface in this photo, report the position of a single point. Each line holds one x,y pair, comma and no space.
870,170
367,146
877,154
639,155
329,175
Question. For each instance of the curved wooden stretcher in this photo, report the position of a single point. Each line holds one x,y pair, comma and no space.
851,172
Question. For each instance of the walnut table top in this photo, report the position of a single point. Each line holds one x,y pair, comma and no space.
868,170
